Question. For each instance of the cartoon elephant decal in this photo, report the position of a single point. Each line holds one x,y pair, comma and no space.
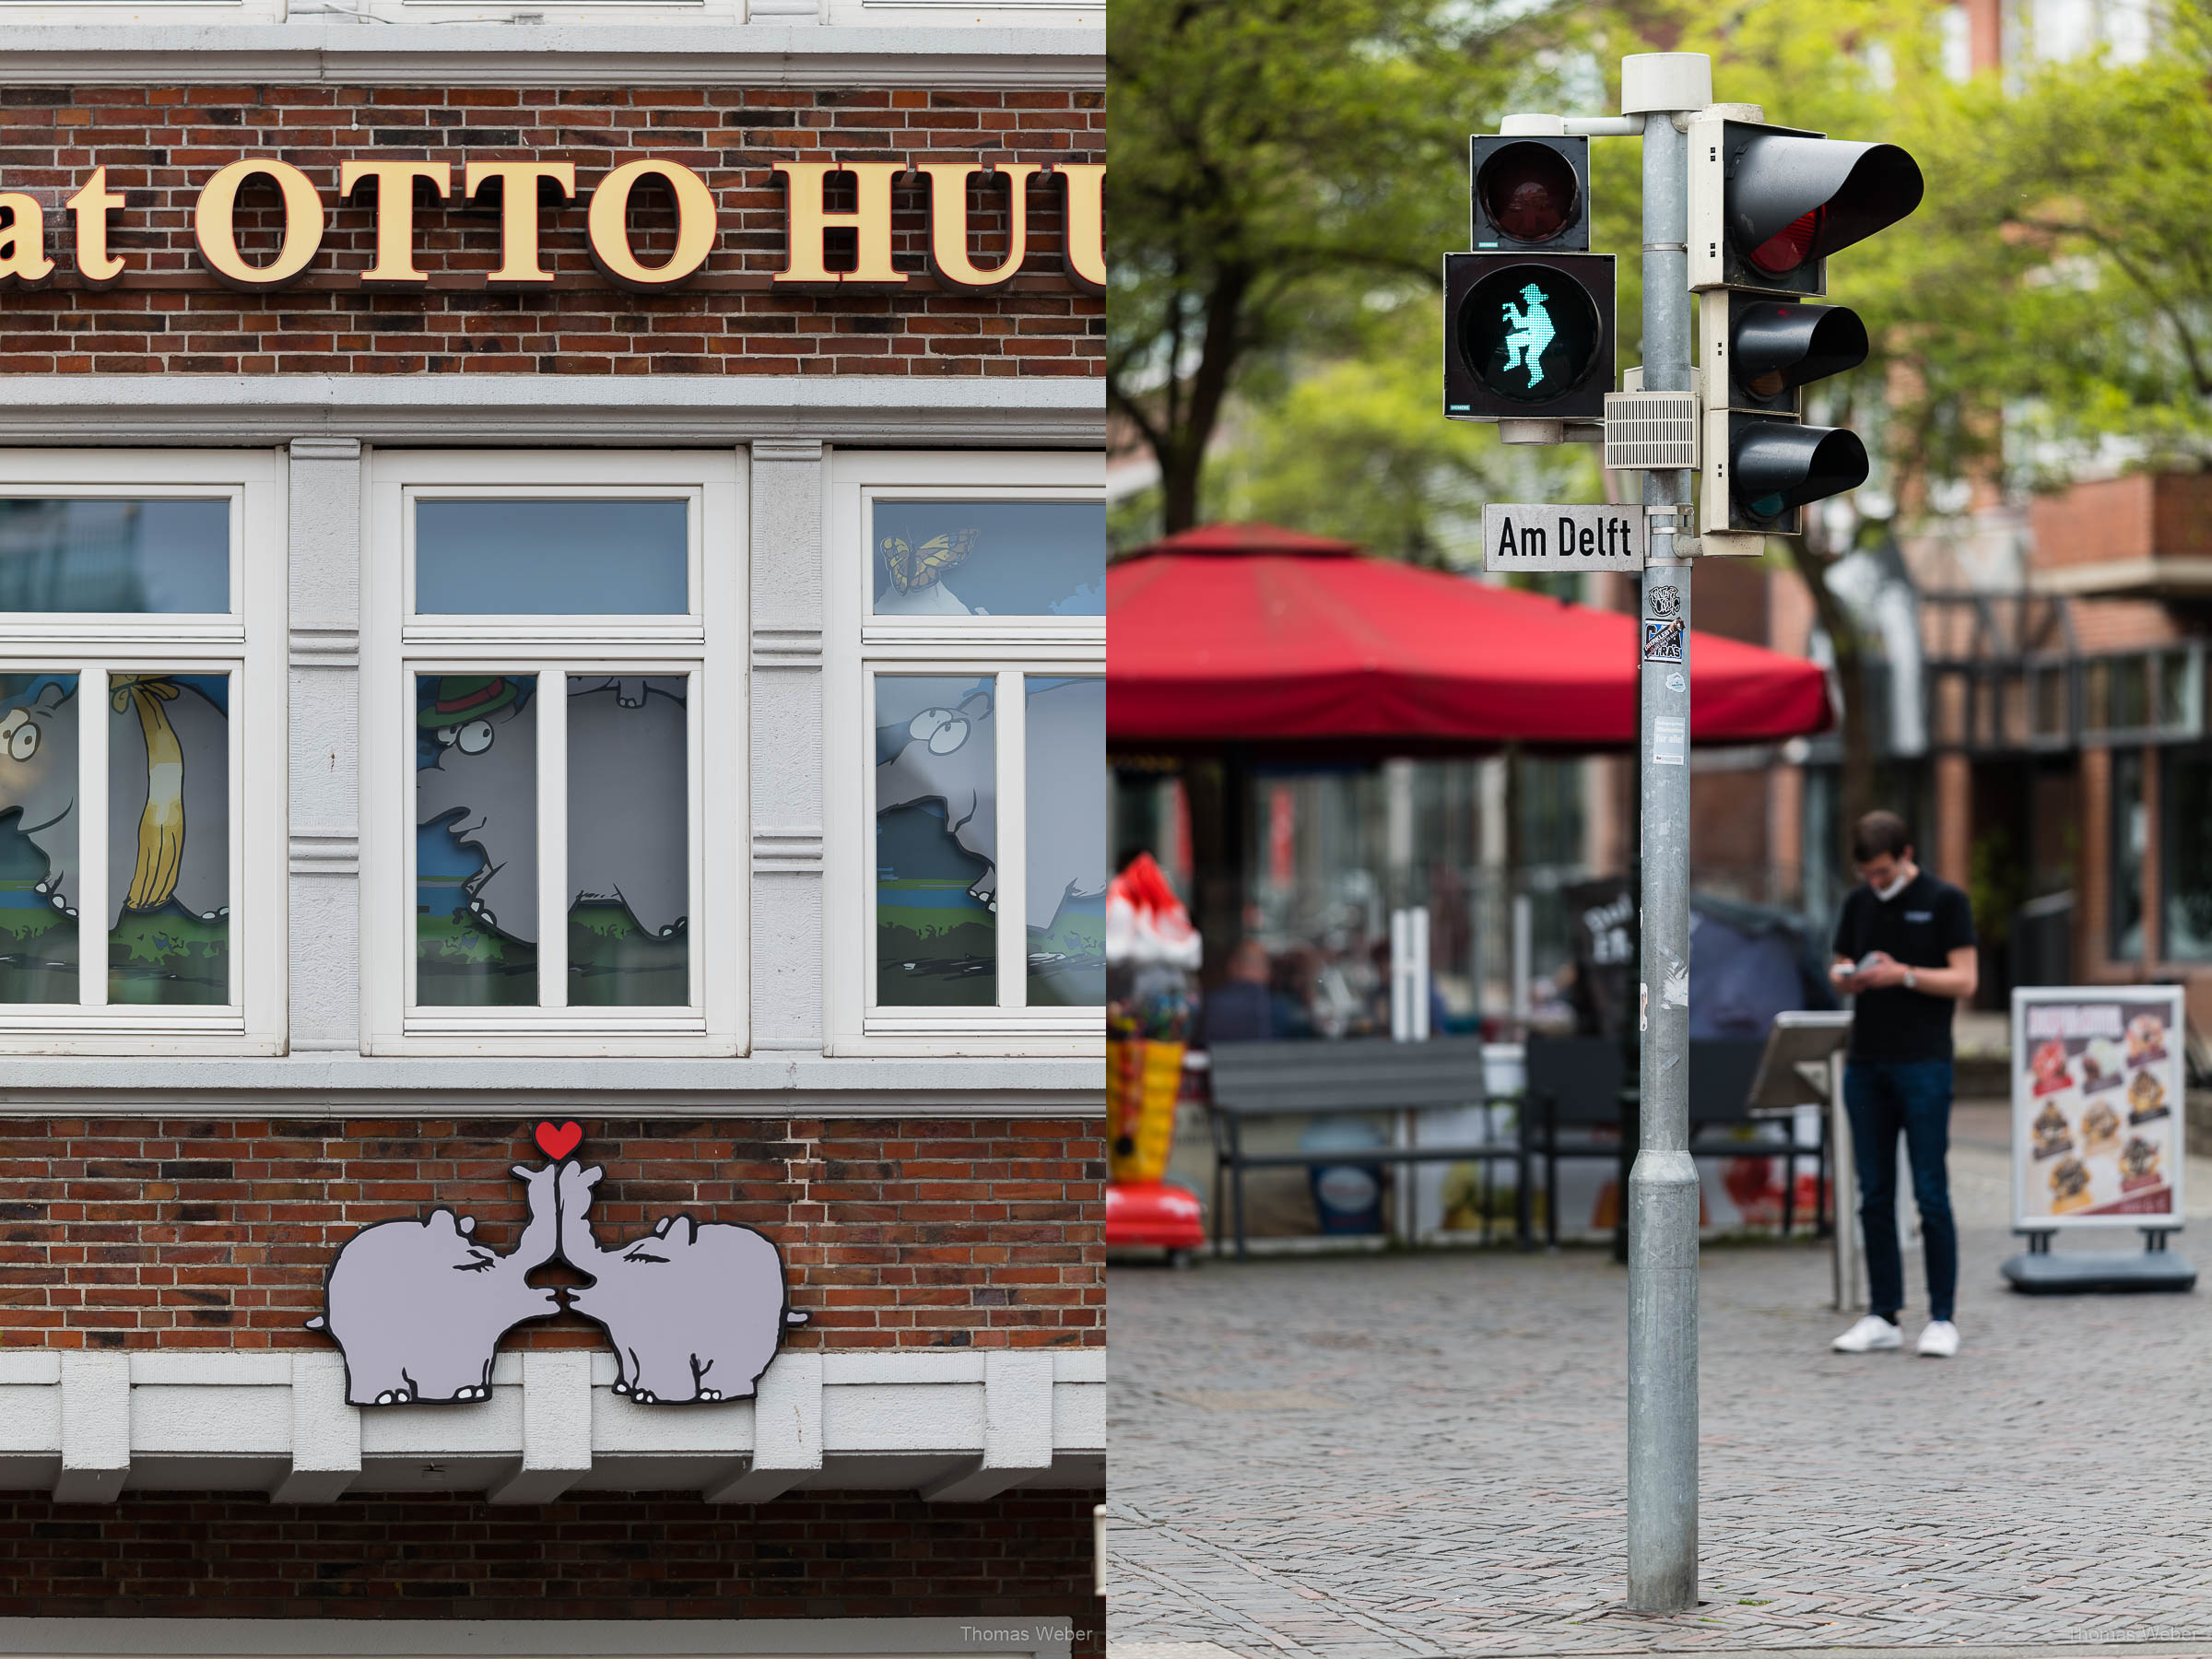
696,1313
418,1307
949,756
168,779
628,831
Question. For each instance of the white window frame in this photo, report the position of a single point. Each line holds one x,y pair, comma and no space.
708,644
60,12
858,646
249,644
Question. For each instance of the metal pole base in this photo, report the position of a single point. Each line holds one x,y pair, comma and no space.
1663,1382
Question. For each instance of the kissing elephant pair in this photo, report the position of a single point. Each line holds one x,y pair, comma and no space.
695,1312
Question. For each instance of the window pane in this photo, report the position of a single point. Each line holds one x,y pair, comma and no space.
2187,856
937,842
2050,702
2096,697
629,843
1064,787
168,839
2129,834
475,840
2173,690
989,558
2130,693
38,838
551,558
106,554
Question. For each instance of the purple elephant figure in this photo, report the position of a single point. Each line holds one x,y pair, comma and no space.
695,1312
418,1307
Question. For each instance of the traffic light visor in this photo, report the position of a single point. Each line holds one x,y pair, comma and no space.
1792,200
1528,191
1779,466
1781,346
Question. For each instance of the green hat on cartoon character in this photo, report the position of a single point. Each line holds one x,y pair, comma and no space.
461,697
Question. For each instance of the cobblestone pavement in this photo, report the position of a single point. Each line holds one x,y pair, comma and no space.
1390,1457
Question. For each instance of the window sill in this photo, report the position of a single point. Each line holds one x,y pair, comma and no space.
940,1083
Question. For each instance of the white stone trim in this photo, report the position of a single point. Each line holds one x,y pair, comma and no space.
959,1428
921,1086
532,1637
717,410
1035,56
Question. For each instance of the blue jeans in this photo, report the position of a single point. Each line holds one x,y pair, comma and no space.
1883,1097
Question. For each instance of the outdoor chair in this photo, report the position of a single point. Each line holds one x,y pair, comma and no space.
1580,1085
1574,1084
1285,1079
1722,1071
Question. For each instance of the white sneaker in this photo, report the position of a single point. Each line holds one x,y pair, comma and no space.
1872,1335
1939,1341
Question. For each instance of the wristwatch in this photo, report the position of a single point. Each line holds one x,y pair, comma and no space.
1912,980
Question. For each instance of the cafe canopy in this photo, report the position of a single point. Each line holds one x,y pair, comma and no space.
1249,634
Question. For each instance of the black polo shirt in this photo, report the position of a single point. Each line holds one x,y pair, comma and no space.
1920,928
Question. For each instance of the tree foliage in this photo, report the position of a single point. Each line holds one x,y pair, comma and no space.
1276,164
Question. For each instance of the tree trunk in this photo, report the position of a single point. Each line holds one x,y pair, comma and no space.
1855,798
1181,446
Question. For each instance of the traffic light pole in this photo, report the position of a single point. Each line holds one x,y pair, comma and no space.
1662,1185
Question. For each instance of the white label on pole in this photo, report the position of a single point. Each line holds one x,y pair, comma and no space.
1526,536
1670,741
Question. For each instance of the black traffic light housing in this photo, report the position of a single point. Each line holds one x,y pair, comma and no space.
1514,353
1768,205
1531,194
1774,466
1771,346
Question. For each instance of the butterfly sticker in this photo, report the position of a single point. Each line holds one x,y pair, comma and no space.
911,568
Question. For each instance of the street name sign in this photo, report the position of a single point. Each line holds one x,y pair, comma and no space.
1533,536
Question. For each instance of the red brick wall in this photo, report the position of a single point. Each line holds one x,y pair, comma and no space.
135,1232
161,144
834,1556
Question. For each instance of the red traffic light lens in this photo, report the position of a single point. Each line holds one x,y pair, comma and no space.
1528,192
1789,247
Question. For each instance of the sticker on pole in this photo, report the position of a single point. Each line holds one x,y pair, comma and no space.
1670,740
1524,536
1663,639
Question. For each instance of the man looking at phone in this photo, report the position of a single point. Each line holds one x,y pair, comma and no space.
1905,949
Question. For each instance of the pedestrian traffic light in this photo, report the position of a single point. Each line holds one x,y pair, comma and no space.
1767,205
1527,336
1528,316
1530,194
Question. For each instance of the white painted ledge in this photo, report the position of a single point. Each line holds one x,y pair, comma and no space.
1030,56
1064,411
957,1428
760,1086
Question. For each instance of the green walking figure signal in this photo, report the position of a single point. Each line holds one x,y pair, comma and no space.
1532,335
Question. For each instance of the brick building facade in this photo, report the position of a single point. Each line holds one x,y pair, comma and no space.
707,564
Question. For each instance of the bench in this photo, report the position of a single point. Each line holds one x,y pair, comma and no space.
1291,1079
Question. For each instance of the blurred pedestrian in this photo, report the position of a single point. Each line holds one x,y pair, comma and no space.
1905,949
1246,1007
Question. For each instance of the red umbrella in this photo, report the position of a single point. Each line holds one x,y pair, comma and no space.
1247,633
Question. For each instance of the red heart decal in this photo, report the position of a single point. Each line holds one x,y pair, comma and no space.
558,1140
